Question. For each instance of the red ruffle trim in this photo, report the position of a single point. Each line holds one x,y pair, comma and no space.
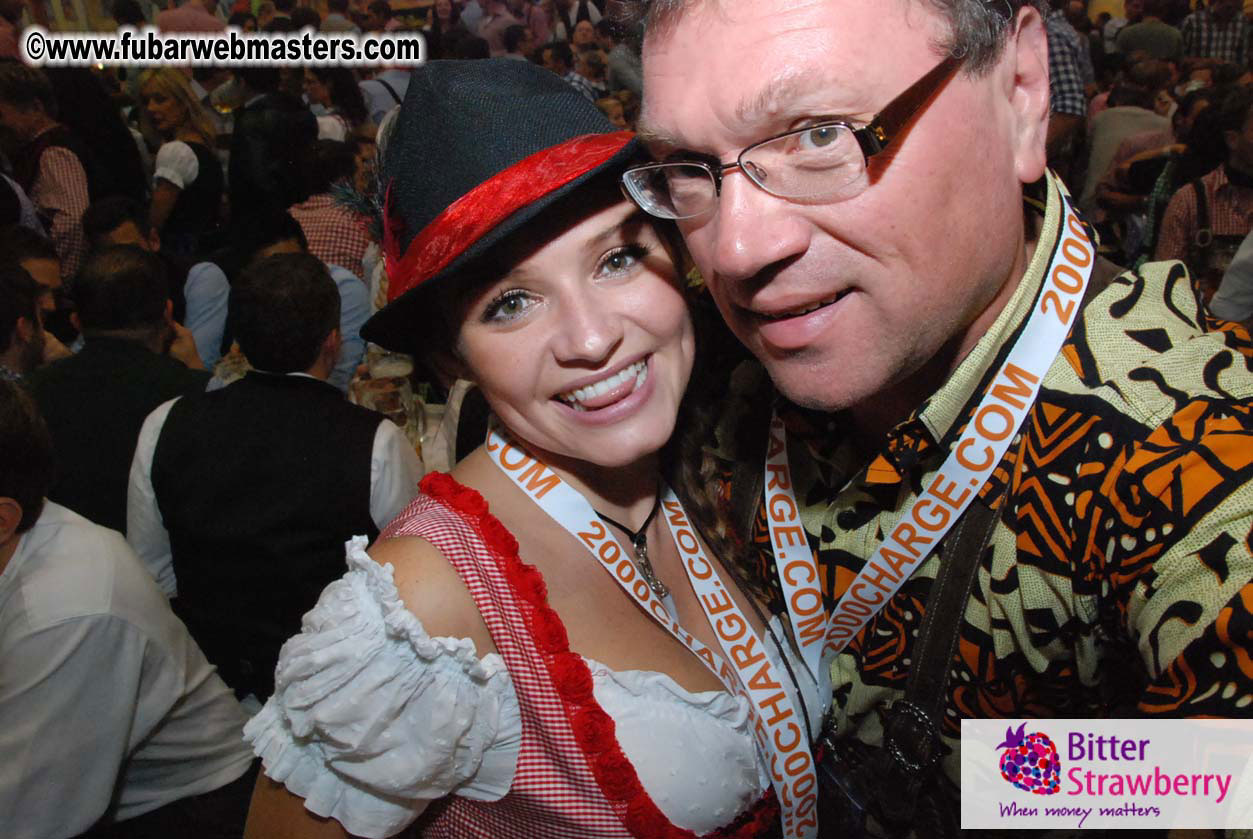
593,728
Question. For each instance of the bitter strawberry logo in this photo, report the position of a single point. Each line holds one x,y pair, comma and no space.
1030,762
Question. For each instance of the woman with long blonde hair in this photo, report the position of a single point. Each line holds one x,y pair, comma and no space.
187,181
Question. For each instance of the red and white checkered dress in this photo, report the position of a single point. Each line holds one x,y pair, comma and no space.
572,779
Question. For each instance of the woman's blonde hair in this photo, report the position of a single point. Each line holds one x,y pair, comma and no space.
173,83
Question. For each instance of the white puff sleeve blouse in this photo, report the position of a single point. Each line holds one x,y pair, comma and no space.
176,163
372,718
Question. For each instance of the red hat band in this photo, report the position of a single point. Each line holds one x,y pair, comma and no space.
474,214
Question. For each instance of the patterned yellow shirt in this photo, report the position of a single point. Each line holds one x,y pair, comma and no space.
1118,578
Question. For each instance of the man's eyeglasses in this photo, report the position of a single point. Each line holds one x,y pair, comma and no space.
822,162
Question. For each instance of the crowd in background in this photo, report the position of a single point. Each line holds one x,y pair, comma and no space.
1151,133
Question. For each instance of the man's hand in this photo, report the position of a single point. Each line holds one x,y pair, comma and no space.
183,347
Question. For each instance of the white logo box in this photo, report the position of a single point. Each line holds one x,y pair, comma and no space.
1110,774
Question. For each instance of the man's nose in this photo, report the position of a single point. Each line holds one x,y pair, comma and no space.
753,229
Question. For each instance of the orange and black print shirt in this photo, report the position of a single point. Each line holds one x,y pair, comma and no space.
1119,579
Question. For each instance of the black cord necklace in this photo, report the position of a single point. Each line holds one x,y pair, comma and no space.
639,538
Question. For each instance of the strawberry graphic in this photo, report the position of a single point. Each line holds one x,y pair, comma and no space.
1030,762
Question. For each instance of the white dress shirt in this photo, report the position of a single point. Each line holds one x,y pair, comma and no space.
106,699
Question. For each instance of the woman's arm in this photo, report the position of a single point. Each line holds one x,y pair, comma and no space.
275,813
175,169
431,589
163,198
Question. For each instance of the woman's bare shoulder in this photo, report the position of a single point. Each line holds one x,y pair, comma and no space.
432,589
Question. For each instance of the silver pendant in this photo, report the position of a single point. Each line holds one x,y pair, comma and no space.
646,568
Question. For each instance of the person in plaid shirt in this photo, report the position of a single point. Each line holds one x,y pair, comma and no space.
336,235
1221,32
1067,103
1206,235
49,163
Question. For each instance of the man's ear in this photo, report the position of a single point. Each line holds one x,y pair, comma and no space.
154,239
1025,63
10,517
25,331
169,311
331,345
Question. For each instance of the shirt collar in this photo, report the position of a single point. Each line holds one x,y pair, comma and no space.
919,436
948,404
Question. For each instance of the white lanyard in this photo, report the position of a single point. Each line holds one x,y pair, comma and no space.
777,725
925,521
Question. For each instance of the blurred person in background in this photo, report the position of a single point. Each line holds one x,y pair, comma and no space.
187,179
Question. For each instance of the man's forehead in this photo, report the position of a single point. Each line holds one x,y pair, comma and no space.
773,102
758,67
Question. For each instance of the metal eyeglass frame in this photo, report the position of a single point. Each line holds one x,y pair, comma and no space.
871,138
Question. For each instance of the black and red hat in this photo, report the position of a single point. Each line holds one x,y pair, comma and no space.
479,148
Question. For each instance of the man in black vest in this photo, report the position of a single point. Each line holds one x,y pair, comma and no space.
134,358
241,499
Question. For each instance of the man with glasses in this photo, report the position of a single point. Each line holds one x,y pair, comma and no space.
852,180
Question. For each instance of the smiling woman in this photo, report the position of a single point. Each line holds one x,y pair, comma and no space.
534,644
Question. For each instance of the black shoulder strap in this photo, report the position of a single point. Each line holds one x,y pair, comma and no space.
390,90
911,737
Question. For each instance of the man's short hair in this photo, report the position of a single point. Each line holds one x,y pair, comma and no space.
607,28
1126,94
1227,73
304,16
978,28
19,298
1152,74
108,214
26,463
561,52
121,288
284,6
338,6
1233,110
381,9
26,87
260,79
18,244
128,13
269,228
332,161
281,310
513,35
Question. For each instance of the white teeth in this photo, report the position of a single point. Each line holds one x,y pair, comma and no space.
637,371
803,310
